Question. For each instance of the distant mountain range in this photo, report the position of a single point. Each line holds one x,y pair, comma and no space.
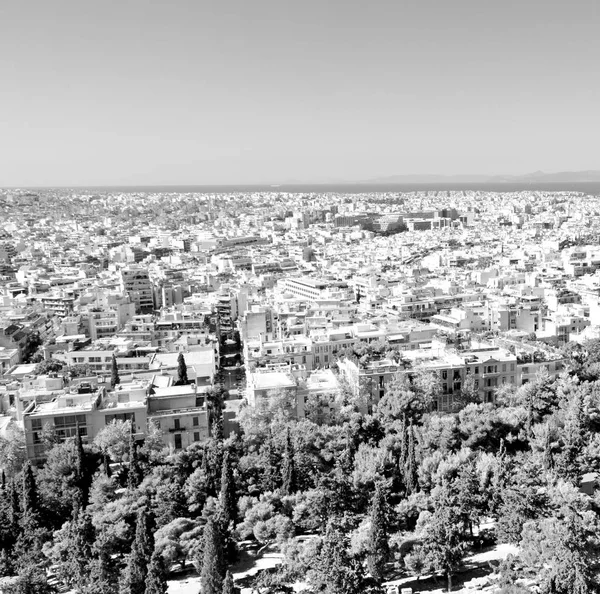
535,177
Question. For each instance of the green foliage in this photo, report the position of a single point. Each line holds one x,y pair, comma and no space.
288,467
378,546
48,366
213,564
31,580
228,496
156,580
137,564
182,376
443,543
114,373
333,571
564,548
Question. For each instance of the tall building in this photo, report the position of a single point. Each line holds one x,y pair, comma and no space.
136,282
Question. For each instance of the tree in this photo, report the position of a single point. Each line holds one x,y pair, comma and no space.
115,440
333,571
411,472
567,463
30,494
31,580
443,542
564,549
134,473
141,552
102,576
114,373
228,585
48,366
182,376
288,467
271,477
228,497
213,564
469,393
80,553
156,580
379,550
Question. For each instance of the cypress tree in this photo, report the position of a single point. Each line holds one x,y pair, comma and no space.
548,456
228,497
141,551
114,373
213,564
411,476
271,477
288,467
30,495
3,480
81,551
103,577
182,376
228,586
80,468
346,462
79,453
379,550
15,510
156,580
134,476
106,465
335,571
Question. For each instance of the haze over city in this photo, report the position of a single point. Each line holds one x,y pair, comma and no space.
116,93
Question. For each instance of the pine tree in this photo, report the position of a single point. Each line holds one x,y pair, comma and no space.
182,376
228,584
30,495
288,467
114,373
379,550
156,580
213,564
228,497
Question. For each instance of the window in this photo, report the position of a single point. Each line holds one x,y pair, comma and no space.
196,436
504,367
177,424
476,370
444,374
195,422
178,441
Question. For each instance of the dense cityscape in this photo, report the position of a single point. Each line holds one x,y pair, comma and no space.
272,392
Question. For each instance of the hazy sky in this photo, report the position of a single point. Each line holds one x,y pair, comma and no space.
263,91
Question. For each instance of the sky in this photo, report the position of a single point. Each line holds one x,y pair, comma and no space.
126,92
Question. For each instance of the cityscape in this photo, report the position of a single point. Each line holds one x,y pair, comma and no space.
390,381
299,297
